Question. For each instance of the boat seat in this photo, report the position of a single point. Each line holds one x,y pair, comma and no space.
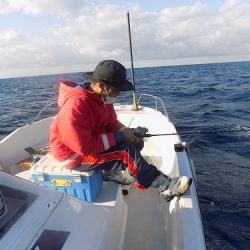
25,175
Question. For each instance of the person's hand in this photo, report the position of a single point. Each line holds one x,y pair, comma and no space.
130,137
140,131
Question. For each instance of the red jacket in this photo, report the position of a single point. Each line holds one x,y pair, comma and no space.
84,126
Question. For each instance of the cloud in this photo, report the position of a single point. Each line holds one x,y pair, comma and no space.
42,7
103,33
191,31
19,51
186,31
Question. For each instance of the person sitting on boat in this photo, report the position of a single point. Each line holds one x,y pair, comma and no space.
88,136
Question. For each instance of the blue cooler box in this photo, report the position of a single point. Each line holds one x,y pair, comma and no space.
51,173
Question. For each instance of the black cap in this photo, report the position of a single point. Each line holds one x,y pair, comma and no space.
112,73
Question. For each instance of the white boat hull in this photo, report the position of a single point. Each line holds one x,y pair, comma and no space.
140,220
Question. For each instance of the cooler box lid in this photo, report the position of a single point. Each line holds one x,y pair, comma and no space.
50,165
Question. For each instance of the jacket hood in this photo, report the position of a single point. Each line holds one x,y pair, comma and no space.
68,89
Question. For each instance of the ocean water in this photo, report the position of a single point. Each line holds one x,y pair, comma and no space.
210,100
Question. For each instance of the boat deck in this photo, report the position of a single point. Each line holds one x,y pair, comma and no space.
146,227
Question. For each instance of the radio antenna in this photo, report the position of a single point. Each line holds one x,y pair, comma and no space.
134,105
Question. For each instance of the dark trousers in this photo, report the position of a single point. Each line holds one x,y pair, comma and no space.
120,157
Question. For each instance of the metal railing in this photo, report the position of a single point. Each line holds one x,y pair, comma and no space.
156,100
40,112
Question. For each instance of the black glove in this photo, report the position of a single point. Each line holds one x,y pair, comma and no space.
140,131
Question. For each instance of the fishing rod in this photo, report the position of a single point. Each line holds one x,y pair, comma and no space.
134,105
197,132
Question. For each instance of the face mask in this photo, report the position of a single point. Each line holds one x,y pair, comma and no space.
108,99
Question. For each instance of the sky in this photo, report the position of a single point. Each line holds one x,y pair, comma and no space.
40,37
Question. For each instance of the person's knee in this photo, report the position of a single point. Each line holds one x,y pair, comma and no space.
136,146
140,145
131,146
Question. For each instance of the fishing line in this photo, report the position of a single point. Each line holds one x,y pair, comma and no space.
197,132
